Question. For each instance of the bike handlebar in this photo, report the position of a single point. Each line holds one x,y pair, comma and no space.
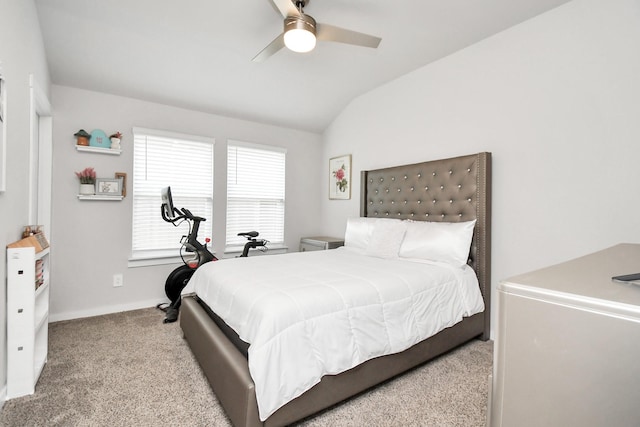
183,213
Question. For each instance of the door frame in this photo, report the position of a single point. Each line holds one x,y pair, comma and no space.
41,154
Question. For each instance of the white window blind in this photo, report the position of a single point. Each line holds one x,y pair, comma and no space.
255,192
182,162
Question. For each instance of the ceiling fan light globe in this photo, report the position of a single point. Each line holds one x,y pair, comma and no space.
299,40
300,33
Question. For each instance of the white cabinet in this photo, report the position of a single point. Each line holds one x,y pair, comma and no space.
568,343
27,318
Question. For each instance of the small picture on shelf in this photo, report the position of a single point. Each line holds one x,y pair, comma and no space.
109,186
124,182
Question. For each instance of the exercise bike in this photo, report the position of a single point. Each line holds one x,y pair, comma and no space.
178,278
253,242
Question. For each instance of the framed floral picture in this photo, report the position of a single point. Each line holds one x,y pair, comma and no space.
109,186
340,177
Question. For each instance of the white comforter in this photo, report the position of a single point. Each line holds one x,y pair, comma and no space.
309,314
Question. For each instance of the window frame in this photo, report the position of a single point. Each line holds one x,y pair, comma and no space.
146,257
236,248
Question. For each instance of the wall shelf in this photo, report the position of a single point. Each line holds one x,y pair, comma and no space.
89,149
99,197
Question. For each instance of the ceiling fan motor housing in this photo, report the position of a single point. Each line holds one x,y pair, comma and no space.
302,22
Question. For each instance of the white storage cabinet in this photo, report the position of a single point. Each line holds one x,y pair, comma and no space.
27,318
568,345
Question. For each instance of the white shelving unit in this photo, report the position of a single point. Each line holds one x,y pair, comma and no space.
27,318
99,150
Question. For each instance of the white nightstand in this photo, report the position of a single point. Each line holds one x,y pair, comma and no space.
320,243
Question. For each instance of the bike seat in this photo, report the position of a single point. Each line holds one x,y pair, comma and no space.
251,234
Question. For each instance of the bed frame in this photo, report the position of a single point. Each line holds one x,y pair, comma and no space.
456,189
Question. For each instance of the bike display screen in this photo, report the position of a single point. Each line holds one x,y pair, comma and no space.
167,203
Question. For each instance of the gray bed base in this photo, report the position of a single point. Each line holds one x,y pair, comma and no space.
457,189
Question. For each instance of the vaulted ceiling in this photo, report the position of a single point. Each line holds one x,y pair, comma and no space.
197,54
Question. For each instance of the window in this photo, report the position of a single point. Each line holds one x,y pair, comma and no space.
255,192
183,162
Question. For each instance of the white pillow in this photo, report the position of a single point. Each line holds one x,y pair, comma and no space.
448,242
358,233
386,238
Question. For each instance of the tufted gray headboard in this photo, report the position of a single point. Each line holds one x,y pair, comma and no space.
450,190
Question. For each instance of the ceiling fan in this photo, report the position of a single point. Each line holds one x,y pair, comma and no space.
301,30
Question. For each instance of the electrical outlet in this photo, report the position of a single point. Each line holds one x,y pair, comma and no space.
117,280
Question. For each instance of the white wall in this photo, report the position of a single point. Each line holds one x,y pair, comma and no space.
555,99
93,239
21,54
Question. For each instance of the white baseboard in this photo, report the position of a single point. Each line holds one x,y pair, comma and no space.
99,311
3,396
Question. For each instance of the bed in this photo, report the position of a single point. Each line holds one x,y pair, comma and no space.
450,191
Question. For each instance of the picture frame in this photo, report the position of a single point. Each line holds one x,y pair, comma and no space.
3,133
109,186
2,90
124,182
340,177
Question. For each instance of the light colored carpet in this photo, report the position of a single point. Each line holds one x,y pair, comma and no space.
130,369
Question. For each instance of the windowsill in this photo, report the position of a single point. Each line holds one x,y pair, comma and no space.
170,257
154,258
235,251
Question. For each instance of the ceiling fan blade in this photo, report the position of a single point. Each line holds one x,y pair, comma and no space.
336,34
271,49
286,8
